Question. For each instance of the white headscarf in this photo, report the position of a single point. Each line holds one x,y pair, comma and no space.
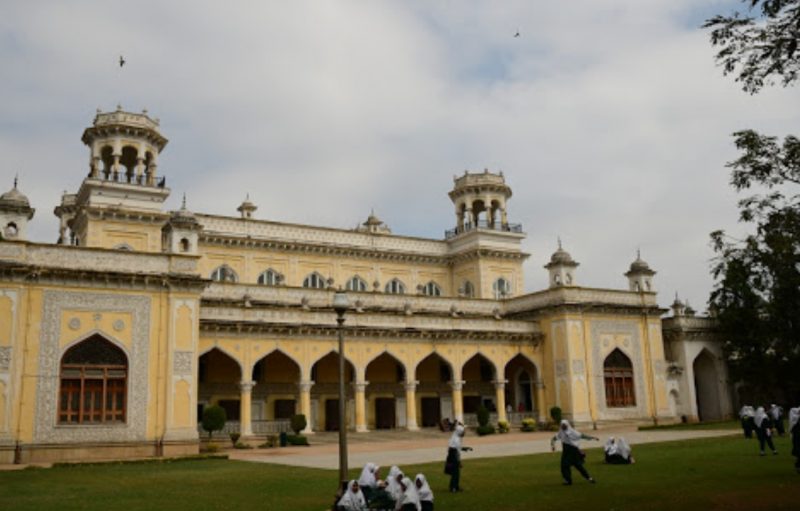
392,485
611,448
760,416
409,495
624,448
368,476
794,416
424,491
746,411
776,411
353,501
455,438
568,436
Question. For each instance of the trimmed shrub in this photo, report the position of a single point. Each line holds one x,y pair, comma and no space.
555,413
483,416
502,426
298,423
296,440
235,438
242,445
214,419
485,430
528,425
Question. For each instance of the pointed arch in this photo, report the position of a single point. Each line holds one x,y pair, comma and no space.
706,384
377,369
501,288
269,277
432,289
288,369
479,368
467,289
217,363
619,380
356,283
224,273
93,382
433,368
522,375
314,280
395,287
325,369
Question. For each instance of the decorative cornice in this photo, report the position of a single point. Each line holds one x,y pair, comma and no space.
284,330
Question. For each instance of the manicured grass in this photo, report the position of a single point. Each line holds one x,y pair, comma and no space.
718,473
726,424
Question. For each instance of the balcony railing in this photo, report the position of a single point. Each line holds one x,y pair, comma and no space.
483,225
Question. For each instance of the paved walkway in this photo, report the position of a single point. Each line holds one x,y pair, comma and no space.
403,448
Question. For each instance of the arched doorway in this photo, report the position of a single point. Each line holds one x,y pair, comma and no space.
93,383
521,375
385,391
479,374
706,387
619,382
434,375
218,378
325,392
275,394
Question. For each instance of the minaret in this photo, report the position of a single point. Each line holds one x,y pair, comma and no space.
640,276
181,232
122,180
15,211
480,202
562,268
247,208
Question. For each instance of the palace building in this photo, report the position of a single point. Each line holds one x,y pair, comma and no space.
113,339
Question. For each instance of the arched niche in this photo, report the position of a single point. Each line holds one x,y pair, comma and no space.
706,385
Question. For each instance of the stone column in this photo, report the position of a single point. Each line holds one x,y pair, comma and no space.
245,419
361,406
305,404
504,217
540,408
115,168
411,406
500,398
458,401
470,219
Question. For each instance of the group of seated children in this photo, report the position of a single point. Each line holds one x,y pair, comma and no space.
618,452
396,493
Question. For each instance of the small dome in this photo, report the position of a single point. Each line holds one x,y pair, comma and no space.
183,217
374,224
561,256
639,266
14,197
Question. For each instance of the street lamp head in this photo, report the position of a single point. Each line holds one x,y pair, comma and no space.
340,302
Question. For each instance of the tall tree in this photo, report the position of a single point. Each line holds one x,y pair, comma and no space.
757,289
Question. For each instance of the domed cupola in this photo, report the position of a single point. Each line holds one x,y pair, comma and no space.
640,275
181,232
15,211
562,268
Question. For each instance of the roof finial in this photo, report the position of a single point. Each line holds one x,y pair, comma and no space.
559,242
16,178
183,204
638,253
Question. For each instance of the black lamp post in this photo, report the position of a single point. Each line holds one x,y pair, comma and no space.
340,305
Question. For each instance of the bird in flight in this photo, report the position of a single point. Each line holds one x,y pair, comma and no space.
121,61
517,34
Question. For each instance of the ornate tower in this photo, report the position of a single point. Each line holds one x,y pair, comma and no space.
480,201
562,268
15,211
640,276
181,232
122,186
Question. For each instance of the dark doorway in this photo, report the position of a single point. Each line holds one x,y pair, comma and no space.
471,404
431,412
384,413
231,407
284,408
332,415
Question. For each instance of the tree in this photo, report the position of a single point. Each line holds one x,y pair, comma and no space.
214,419
759,50
757,290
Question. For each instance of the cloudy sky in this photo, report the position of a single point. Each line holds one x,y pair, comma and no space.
608,117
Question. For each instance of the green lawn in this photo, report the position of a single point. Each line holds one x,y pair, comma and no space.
726,424
719,473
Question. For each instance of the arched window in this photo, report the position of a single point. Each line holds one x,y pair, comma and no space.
93,383
468,290
124,246
395,287
432,289
270,278
224,274
11,230
618,372
501,288
356,283
186,245
314,280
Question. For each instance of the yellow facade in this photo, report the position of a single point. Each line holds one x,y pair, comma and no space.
186,300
